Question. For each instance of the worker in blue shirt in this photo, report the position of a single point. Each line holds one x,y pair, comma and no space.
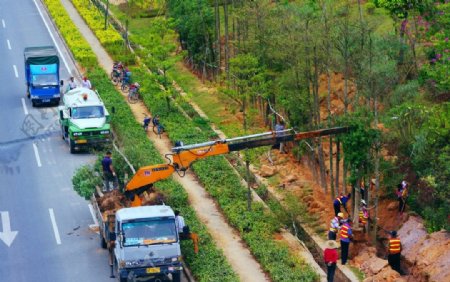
341,201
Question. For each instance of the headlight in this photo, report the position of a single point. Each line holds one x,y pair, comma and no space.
77,133
104,132
56,95
174,259
132,263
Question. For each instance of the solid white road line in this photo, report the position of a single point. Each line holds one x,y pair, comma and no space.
36,154
24,105
9,44
3,23
15,71
55,227
53,38
91,209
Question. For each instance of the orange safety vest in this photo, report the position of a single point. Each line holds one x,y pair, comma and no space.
344,232
394,246
362,218
137,202
333,229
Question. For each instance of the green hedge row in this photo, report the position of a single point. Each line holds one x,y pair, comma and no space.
257,227
209,264
109,37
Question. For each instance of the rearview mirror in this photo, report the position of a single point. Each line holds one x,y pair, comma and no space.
61,114
61,82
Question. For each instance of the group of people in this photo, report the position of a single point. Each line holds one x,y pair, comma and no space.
85,83
156,123
343,226
120,71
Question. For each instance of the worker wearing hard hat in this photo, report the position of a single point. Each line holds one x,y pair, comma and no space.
335,226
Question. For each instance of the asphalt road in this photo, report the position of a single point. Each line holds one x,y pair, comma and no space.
49,239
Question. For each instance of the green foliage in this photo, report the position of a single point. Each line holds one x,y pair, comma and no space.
406,120
357,145
403,93
370,8
109,38
435,74
84,181
194,21
401,8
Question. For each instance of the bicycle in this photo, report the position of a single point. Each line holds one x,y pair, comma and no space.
158,130
133,96
115,77
125,87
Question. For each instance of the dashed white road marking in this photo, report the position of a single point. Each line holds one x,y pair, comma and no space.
9,44
3,23
55,227
15,71
36,154
24,105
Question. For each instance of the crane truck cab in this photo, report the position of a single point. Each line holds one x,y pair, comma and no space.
146,244
42,75
84,119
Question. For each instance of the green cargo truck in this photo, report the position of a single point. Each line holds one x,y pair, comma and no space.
84,119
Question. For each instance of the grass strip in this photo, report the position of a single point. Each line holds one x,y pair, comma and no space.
209,264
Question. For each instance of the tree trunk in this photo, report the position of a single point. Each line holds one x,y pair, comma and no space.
338,162
315,84
249,191
344,177
227,55
356,201
217,34
333,194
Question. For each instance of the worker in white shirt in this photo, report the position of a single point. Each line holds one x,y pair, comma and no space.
179,222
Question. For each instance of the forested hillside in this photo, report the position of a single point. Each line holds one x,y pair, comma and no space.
378,67
394,60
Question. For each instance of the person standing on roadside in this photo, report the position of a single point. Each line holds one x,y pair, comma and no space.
341,201
335,225
179,222
109,174
330,256
402,194
394,251
86,83
71,84
346,235
280,127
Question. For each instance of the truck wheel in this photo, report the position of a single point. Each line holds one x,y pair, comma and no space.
72,146
116,267
102,241
176,277
33,103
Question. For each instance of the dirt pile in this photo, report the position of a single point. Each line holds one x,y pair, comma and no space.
112,201
426,255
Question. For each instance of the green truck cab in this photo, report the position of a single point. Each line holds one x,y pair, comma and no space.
84,119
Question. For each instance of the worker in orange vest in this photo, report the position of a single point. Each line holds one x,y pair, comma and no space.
394,251
341,201
136,200
363,215
335,226
346,236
